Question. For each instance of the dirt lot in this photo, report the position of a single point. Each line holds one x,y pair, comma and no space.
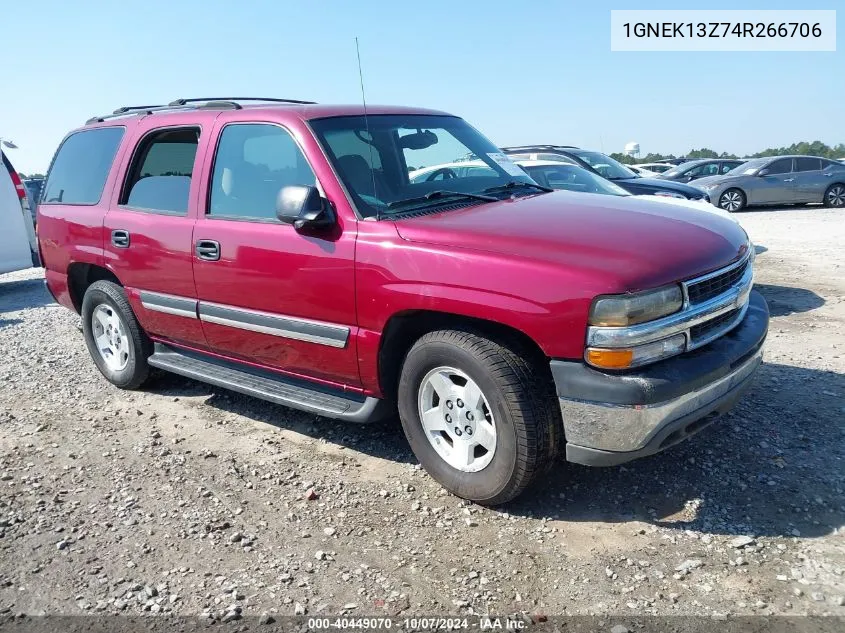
188,499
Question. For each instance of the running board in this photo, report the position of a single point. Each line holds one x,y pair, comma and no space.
289,392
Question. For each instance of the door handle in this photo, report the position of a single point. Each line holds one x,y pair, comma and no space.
788,179
120,238
208,250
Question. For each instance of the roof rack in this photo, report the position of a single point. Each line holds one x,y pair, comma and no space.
191,104
181,102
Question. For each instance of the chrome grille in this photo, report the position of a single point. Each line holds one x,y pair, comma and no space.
712,286
704,332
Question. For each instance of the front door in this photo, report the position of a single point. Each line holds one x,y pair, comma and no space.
777,186
148,230
268,293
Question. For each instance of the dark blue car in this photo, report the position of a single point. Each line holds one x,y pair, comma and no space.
609,168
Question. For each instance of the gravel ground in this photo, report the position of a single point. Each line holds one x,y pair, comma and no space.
192,500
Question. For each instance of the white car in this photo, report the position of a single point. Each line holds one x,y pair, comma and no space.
643,173
657,168
18,246
555,174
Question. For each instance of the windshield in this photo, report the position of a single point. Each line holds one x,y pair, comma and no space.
573,178
749,168
605,165
388,160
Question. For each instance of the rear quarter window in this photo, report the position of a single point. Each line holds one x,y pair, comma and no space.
81,166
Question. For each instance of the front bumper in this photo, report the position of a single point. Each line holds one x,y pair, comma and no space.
610,419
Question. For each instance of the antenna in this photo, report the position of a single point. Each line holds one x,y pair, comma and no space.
366,122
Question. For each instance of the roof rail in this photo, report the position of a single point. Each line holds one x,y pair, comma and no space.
539,147
191,104
181,102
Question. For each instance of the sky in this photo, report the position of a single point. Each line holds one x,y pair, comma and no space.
521,72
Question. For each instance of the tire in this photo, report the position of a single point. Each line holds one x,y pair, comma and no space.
835,196
124,364
732,200
518,396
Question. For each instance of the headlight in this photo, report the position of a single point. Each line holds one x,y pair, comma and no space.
605,358
625,310
669,194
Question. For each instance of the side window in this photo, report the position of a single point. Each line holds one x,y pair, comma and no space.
159,177
726,167
828,165
254,161
81,166
782,166
808,164
710,169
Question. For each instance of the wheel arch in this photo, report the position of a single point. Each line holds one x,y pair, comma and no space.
403,329
81,275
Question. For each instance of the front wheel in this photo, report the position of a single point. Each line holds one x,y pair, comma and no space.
732,200
115,340
481,416
835,196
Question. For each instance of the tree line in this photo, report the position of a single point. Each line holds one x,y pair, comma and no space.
816,148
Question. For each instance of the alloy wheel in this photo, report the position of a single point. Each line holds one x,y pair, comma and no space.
110,337
457,419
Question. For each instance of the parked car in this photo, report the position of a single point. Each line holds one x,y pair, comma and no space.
33,192
702,168
18,247
611,169
284,253
657,168
569,177
642,173
778,180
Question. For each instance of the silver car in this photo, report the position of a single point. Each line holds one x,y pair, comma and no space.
778,180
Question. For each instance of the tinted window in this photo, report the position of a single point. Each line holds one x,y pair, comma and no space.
81,166
726,167
831,164
782,166
708,169
253,162
161,170
808,164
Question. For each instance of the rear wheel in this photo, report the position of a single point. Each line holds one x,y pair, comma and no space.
835,196
115,340
480,416
732,200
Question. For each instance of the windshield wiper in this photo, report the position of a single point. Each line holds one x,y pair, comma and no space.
440,193
513,184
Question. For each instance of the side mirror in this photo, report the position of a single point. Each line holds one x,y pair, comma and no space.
763,172
303,206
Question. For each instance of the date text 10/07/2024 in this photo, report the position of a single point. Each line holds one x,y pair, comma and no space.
484,623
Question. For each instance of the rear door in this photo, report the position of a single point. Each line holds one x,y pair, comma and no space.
776,187
809,181
268,293
149,225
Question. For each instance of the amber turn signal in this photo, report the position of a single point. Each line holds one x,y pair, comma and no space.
610,358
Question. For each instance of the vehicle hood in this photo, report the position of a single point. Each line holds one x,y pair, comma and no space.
715,180
660,183
618,243
696,205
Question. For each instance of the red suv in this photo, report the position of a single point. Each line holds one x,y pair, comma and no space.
280,250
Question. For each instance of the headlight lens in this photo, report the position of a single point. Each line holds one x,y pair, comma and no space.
625,310
669,194
626,358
